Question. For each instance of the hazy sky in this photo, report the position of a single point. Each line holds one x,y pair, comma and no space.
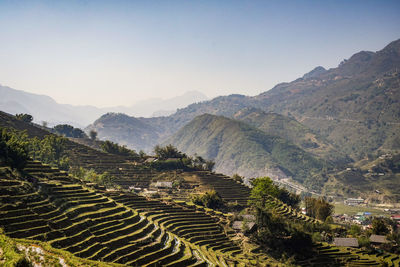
108,53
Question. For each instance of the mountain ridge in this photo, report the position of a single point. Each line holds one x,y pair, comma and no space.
240,148
45,108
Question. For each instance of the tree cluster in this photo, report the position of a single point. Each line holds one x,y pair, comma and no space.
114,148
318,208
13,150
264,187
168,151
24,117
69,131
171,158
16,148
276,232
210,199
105,178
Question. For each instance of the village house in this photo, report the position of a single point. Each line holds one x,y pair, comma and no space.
354,201
378,240
345,242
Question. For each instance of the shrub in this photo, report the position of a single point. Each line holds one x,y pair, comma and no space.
92,135
24,117
114,148
69,131
210,199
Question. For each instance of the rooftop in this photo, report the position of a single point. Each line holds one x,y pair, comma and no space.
345,242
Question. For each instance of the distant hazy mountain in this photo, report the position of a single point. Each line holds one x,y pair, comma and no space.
158,106
44,108
237,147
126,130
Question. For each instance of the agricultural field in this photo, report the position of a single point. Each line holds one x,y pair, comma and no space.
341,208
51,216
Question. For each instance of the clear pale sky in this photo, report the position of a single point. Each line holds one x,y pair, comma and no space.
109,53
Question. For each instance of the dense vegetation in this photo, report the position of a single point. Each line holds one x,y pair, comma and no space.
69,131
114,148
276,232
239,148
264,186
13,151
24,117
170,158
16,147
279,226
318,208
210,199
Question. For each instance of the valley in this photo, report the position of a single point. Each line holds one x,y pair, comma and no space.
142,168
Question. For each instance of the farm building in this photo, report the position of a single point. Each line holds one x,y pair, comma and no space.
345,242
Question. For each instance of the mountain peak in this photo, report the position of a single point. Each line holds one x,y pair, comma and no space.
314,73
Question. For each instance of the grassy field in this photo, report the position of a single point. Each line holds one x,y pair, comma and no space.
352,210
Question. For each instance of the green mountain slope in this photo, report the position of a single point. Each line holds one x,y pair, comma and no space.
239,148
290,129
351,110
377,180
356,105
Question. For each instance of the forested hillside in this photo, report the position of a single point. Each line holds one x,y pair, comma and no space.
339,115
238,147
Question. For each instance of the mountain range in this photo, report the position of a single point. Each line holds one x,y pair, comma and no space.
301,129
240,148
354,106
44,108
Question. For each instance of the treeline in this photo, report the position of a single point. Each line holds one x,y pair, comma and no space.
16,148
69,131
169,157
105,178
114,148
318,208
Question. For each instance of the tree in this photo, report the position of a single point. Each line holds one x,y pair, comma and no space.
355,230
169,151
24,117
210,199
69,131
13,148
264,187
318,208
379,226
93,135
114,148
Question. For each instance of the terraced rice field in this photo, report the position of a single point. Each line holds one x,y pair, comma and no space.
228,189
287,211
329,255
126,172
111,227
